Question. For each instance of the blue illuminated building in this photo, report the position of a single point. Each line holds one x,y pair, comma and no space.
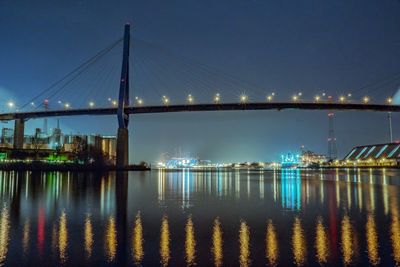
181,163
290,160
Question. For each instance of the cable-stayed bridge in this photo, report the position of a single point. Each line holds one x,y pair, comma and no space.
91,89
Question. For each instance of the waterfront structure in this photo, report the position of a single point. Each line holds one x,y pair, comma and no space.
63,147
387,154
310,158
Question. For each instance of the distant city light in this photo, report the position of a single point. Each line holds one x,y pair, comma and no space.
342,98
269,98
365,99
140,101
67,105
114,102
243,98
295,98
91,104
317,98
389,100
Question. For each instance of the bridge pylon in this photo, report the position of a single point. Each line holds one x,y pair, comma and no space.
122,159
19,128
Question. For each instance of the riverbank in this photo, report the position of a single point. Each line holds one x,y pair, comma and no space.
44,166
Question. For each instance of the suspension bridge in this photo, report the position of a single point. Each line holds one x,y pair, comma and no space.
150,76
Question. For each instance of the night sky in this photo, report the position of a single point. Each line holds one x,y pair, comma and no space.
285,47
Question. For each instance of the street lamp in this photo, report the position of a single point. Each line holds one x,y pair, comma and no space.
91,104
366,99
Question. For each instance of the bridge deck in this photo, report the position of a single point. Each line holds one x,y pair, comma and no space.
203,107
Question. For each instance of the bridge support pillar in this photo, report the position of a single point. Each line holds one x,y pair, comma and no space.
19,128
122,159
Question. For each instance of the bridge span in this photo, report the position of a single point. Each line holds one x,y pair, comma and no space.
201,107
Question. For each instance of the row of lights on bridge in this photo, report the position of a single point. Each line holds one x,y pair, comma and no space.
217,99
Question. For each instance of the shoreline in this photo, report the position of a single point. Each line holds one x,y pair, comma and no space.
40,166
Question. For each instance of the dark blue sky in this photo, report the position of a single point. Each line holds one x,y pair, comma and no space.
282,46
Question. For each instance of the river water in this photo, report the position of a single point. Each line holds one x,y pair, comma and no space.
158,218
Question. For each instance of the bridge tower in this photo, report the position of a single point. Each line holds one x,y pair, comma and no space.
122,159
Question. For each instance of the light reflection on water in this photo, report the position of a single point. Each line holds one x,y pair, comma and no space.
251,217
217,243
321,242
271,246
4,234
164,242
137,241
299,246
88,236
244,244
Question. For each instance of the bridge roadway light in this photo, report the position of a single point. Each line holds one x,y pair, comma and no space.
67,105
10,104
91,104
114,103
217,98
269,98
342,99
365,99
190,99
317,98
389,100
295,98
165,100
243,98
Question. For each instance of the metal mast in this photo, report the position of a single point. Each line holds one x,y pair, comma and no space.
332,150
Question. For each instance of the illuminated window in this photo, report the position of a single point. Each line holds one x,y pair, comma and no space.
351,153
393,151
381,151
369,152
362,151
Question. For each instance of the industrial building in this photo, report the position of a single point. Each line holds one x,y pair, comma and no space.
57,146
373,155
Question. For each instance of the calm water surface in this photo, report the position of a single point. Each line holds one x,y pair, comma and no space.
238,218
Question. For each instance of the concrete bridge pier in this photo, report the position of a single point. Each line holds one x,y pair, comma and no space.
122,159
19,128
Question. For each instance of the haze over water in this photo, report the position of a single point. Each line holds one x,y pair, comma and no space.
257,218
